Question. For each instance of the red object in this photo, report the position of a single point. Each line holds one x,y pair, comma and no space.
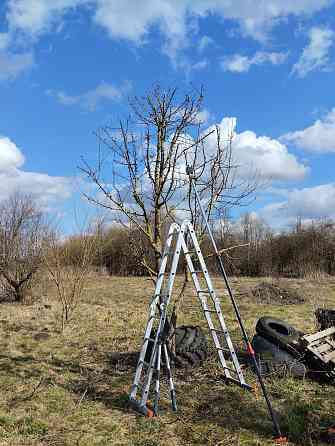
280,440
150,413
251,351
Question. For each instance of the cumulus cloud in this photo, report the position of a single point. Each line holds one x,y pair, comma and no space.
11,156
268,157
315,54
241,64
309,203
319,137
91,99
126,20
42,187
175,19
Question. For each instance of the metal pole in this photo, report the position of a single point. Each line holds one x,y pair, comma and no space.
251,352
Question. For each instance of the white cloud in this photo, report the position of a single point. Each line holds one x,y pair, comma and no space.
266,156
176,19
315,54
240,64
308,203
11,65
319,137
34,17
42,187
91,99
11,156
201,65
204,116
204,42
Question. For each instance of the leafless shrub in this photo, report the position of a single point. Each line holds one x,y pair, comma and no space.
68,264
24,233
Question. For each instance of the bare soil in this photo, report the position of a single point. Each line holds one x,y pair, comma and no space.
271,293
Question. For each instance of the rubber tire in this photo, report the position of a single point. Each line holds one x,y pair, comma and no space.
273,359
280,334
191,347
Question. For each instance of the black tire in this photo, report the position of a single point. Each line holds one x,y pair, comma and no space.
272,359
187,347
191,347
280,334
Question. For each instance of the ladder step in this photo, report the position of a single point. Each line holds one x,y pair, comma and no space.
219,331
230,370
204,291
147,364
161,295
210,311
150,339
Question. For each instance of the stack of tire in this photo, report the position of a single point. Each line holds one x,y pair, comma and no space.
277,347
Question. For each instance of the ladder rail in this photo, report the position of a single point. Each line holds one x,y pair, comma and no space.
153,310
163,307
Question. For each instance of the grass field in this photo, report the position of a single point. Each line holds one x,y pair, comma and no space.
71,388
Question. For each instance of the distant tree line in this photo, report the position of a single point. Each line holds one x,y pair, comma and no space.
250,248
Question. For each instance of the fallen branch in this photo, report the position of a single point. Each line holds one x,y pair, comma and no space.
30,395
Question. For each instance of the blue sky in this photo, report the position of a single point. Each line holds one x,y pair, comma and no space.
68,67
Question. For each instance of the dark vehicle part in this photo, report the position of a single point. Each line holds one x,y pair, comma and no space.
187,346
281,334
274,360
190,348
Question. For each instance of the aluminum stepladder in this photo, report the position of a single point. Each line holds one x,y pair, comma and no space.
150,361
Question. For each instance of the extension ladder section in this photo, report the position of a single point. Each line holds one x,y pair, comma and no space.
154,351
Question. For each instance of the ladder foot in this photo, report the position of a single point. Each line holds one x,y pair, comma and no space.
230,380
142,409
280,440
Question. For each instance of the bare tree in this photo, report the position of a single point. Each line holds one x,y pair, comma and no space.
23,234
140,171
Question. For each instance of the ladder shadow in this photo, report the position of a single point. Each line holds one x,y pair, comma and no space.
110,385
236,412
126,360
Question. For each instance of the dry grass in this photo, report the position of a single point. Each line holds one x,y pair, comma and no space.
71,388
